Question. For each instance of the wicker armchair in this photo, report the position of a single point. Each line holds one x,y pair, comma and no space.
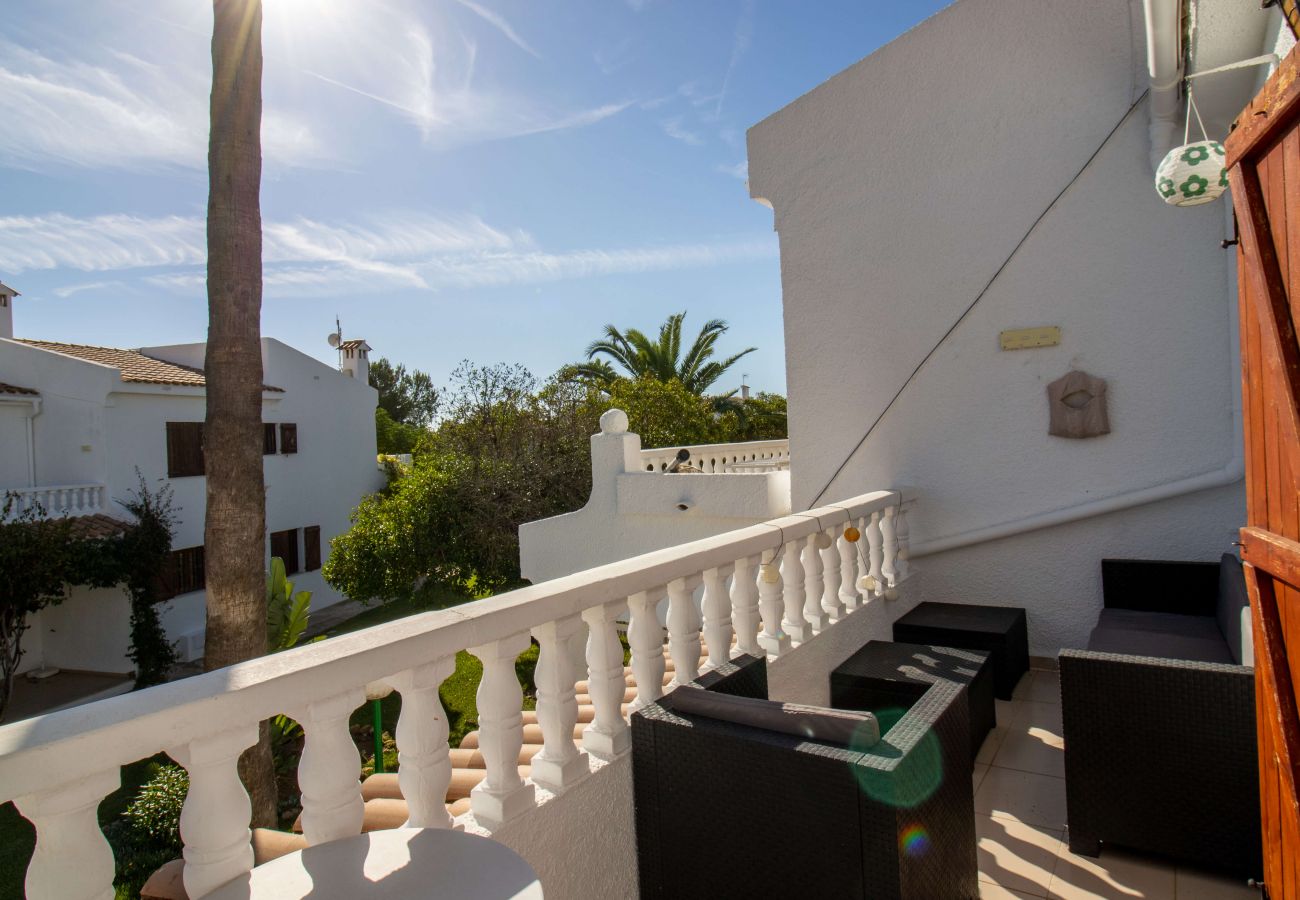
1159,751
729,810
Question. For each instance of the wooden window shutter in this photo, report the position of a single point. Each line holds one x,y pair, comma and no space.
268,438
288,438
311,548
184,449
284,544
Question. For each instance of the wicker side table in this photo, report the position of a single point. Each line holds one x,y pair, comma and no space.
999,629
885,675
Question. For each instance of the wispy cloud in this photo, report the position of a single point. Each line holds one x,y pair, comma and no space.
738,170
395,251
497,21
120,112
740,41
674,129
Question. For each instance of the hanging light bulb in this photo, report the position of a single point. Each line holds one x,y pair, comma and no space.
824,541
851,534
1192,173
769,573
867,584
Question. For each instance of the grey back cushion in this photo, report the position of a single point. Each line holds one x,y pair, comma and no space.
1233,611
832,726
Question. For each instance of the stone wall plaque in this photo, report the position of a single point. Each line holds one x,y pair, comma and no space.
1077,403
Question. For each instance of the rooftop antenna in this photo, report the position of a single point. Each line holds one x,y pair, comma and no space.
335,339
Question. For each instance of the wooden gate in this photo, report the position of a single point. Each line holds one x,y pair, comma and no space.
1263,156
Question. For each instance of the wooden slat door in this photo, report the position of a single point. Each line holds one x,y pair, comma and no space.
1264,171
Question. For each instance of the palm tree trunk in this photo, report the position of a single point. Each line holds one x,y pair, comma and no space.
235,529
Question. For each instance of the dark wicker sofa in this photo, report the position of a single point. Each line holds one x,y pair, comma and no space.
730,810
1159,718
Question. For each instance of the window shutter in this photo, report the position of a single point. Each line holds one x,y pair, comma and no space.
311,547
184,449
288,438
284,544
268,438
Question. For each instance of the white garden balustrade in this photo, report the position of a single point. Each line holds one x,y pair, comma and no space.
58,767
57,500
722,459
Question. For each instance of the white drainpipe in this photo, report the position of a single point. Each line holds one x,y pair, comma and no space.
31,441
1164,66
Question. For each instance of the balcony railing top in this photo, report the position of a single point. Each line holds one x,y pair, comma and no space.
58,767
737,458
56,500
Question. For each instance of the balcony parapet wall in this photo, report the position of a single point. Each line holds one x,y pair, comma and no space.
56,500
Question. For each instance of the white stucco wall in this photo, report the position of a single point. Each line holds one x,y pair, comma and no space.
94,428
899,189
631,511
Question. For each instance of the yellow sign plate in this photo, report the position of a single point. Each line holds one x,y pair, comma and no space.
1025,338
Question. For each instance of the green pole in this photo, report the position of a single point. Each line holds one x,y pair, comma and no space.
377,712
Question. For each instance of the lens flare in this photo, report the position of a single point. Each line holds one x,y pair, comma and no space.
914,841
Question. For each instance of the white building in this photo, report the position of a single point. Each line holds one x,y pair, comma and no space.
990,171
76,422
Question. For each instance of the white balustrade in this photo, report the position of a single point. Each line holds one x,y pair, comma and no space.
59,766
683,630
215,817
813,584
716,608
72,860
502,794
423,761
56,500
770,604
792,595
329,771
560,763
902,537
607,735
744,606
646,637
831,602
722,459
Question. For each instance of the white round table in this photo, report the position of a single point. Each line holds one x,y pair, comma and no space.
398,863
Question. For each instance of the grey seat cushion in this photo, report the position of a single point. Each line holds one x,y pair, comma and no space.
1164,635
857,730
1233,611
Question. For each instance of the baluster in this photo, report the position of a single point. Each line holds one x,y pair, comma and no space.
646,636
329,771
72,860
849,571
560,763
874,553
773,640
888,574
744,606
215,817
607,736
683,631
792,582
902,534
831,602
813,583
423,762
716,607
502,795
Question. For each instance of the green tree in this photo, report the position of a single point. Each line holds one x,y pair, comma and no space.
407,397
665,413
395,437
761,417
641,357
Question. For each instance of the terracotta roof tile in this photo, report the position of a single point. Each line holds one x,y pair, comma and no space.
134,365
98,525
15,389
353,345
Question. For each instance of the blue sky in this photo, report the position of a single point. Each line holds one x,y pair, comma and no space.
482,179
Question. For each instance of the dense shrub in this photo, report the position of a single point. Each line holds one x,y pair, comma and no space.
147,834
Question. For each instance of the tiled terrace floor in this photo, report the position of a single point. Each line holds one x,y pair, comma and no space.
1020,819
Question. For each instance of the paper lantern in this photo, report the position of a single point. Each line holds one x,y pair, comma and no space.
1192,174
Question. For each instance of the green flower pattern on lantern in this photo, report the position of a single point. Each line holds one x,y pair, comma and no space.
1223,178
1194,186
1195,154
1166,187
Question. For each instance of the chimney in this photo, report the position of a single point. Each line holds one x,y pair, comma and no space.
7,295
354,359
744,391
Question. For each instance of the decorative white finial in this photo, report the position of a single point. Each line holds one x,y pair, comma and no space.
613,421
